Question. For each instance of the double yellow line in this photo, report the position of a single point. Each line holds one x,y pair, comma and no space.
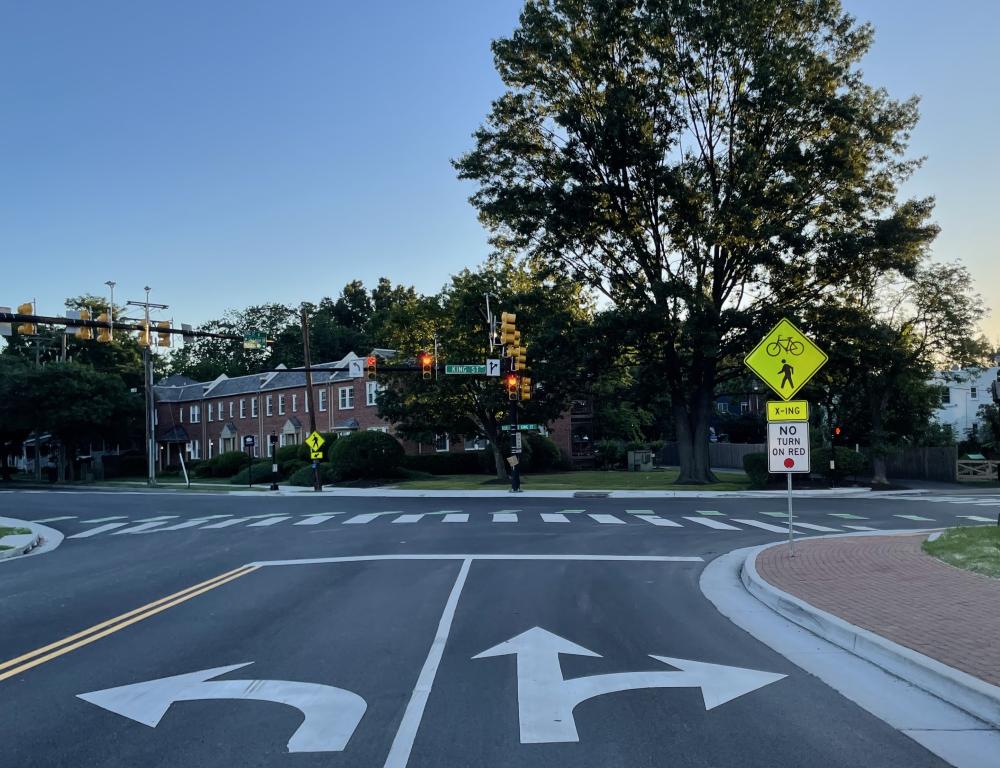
54,650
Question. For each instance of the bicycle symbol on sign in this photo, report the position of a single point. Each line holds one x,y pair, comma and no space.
784,344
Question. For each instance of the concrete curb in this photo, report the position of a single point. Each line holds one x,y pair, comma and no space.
962,690
42,539
20,544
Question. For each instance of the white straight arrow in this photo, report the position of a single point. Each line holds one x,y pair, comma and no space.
546,701
331,714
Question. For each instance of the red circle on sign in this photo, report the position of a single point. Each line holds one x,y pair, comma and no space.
789,463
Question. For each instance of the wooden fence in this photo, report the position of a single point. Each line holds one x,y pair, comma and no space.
721,455
972,471
923,464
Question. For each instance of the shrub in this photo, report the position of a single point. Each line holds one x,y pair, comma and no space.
124,465
849,462
229,463
261,474
287,453
755,465
289,468
201,468
447,463
303,476
366,454
545,454
609,453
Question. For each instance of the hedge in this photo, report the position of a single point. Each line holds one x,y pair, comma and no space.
261,474
369,454
468,463
303,477
849,462
755,465
229,463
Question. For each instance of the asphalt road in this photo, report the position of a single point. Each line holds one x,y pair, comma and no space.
375,636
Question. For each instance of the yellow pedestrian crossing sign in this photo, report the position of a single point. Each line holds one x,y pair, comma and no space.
315,441
786,359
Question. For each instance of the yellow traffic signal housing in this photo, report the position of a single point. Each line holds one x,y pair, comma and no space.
525,388
162,336
507,330
103,334
520,355
84,332
144,336
26,329
426,364
511,384
371,364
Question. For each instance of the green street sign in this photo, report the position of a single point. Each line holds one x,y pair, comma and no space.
255,340
466,370
507,427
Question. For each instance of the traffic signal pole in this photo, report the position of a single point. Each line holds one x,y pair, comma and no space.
307,359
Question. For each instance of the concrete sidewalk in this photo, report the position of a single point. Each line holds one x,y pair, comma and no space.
882,598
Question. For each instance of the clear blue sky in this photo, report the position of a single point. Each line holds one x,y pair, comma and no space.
232,153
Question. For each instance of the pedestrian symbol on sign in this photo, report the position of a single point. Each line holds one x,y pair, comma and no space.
786,371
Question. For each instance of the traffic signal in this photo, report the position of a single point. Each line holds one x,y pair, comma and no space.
83,332
525,388
27,329
507,329
103,334
371,366
163,335
144,336
426,363
519,358
511,384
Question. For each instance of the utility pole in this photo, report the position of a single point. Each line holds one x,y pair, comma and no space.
147,366
317,486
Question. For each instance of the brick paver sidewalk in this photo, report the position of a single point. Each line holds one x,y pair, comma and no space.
887,585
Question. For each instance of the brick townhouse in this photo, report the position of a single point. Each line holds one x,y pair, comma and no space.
204,419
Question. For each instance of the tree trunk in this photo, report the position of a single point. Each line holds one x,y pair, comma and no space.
493,435
692,440
879,404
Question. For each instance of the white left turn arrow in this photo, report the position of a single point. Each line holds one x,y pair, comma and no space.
331,714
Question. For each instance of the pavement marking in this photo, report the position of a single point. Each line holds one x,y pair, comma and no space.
270,521
447,512
362,519
508,510
813,527
712,512
977,518
710,523
572,511
916,517
607,519
765,526
554,517
504,517
97,530
155,519
554,558
315,519
226,523
639,511
51,519
661,521
402,744
860,528
139,528
413,518
456,517
775,514
53,650
181,526
106,519
847,516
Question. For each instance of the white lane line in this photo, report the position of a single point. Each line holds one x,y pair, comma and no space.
456,517
710,523
554,517
52,519
860,528
977,518
362,519
765,526
106,519
139,528
607,519
315,520
504,517
97,530
270,521
157,519
402,744
408,518
967,501
227,523
916,518
812,527
661,521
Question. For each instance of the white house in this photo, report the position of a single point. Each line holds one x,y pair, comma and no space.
963,391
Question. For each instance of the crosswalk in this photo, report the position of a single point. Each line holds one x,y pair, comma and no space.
705,520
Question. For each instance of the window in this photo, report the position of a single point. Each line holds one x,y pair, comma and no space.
269,405
722,407
322,400
253,407
441,443
194,450
281,405
744,407
945,396
974,393
243,409
475,444
346,398
295,403
372,388
220,410
182,414
195,414
211,412
211,444
379,429
230,409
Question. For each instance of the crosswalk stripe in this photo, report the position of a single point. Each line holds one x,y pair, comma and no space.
504,517
639,511
712,512
988,503
775,514
847,516
314,520
916,517
977,518
554,517
53,519
226,523
661,521
765,526
814,527
407,518
710,523
456,517
139,528
361,519
967,501
106,519
185,524
158,519
269,521
97,530
860,528
606,519
571,511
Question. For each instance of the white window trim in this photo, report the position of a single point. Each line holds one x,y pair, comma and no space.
220,413
243,408
253,409
281,405
269,405
322,400
372,388
230,409
478,444
194,414
349,392
295,403
211,413
973,393
447,444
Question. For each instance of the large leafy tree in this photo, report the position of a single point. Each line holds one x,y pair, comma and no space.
708,166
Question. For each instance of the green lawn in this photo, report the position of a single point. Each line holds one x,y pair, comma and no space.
7,531
975,548
658,480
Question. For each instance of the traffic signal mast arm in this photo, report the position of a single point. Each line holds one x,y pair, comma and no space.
17,317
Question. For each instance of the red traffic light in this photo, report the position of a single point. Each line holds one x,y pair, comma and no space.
836,431
371,362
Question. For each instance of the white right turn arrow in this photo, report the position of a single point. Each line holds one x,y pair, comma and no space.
546,701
